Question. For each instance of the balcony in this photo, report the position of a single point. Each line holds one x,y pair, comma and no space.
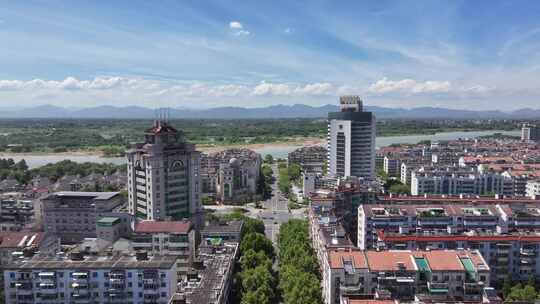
80,275
473,288
525,252
437,288
151,287
47,287
23,285
351,289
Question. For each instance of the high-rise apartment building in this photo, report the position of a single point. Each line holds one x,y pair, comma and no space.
351,140
163,176
530,132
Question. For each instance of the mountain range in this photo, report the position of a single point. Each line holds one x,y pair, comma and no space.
275,111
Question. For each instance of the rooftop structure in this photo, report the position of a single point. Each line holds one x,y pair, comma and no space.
99,279
163,176
210,281
441,275
351,140
231,175
72,216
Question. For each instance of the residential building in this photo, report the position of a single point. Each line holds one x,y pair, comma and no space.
91,279
231,175
230,231
506,234
210,281
13,245
163,176
72,216
175,238
392,166
17,214
311,159
351,140
405,275
533,189
462,182
530,132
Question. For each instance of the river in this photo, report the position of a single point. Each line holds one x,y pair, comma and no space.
276,150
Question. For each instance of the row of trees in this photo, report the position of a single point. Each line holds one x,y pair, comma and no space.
68,167
527,292
11,169
19,170
266,180
299,276
288,175
255,281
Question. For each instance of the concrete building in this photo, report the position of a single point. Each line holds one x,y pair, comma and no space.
231,175
439,275
14,245
462,182
91,279
210,281
310,159
392,166
167,238
507,235
530,132
224,231
163,176
17,214
351,140
533,189
72,216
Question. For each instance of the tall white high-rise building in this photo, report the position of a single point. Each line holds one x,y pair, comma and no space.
530,132
163,176
351,140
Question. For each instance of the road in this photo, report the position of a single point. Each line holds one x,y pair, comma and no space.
274,211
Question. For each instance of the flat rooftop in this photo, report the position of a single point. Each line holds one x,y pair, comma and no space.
228,227
408,260
214,275
94,262
80,194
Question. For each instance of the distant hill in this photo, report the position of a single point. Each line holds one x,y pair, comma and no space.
275,111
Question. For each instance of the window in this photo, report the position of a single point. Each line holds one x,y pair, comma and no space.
94,274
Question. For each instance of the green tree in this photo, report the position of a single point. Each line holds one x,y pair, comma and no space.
251,259
507,285
269,159
399,189
294,171
522,293
258,242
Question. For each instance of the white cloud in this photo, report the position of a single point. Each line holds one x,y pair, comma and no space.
319,88
242,33
10,84
288,30
69,83
409,86
266,89
238,29
235,25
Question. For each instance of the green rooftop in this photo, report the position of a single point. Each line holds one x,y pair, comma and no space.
469,267
438,290
422,264
108,221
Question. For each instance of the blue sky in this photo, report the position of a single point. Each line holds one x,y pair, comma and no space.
457,54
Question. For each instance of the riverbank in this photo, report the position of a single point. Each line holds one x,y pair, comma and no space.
278,149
